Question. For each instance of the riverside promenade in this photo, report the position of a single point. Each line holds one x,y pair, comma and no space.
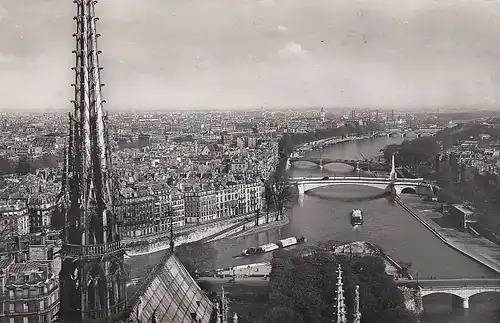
476,247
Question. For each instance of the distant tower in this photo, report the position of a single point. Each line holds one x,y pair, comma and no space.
376,116
353,114
323,116
340,305
392,117
393,175
356,313
92,279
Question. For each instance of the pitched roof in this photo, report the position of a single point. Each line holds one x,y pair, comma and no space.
170,294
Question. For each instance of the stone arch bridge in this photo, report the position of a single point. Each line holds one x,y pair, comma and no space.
395,186
357,164
462,289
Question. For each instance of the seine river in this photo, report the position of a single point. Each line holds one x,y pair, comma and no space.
323,214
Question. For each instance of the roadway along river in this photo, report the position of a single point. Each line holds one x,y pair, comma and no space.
323,214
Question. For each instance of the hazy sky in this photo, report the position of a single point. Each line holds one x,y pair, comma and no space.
250,53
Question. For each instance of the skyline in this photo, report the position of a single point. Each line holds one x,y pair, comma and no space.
176,54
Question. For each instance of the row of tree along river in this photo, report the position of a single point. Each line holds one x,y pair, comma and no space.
324,214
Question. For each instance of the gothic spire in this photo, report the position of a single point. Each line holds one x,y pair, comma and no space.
90,159
92,280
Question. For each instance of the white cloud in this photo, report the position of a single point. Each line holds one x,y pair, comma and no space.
268,3
293,49
3,13
282,28
6,58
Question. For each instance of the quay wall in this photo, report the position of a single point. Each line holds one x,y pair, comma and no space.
208,232
443,238
161,242
243,226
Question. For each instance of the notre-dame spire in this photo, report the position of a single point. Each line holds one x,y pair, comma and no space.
92,276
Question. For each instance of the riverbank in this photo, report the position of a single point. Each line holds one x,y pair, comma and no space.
159,242
263,227
475,247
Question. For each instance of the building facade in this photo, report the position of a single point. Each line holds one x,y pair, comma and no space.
136,209
201,206
29,289
14,216
41,209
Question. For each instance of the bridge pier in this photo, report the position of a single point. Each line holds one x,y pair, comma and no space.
465,302
300,187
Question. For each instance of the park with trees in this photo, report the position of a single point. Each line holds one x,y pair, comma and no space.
303,288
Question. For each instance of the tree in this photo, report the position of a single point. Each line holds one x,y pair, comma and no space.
268,198
302,289
283,195
196,256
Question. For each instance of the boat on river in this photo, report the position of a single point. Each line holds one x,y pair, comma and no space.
280,244
356,217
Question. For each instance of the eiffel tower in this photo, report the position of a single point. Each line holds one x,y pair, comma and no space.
92,279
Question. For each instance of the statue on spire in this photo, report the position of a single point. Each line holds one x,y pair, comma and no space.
393,175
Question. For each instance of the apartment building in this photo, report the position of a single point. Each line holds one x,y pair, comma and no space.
168,202
29,289
201,206
136,209
40,209
15,216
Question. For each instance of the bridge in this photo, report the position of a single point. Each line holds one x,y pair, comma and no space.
357,164
462,288
409,132
395,186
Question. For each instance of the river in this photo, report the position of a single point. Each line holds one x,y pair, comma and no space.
323,214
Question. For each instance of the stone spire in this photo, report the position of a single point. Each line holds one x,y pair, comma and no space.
356,313
92,276
340,304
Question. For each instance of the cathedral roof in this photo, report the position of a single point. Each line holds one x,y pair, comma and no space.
170,294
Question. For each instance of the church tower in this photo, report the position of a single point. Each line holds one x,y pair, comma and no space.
92,280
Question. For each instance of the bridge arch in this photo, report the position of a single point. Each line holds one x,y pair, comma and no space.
461,296
310,187
409,190
439,292
484,292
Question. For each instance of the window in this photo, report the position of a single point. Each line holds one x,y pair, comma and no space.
11,307
42,305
